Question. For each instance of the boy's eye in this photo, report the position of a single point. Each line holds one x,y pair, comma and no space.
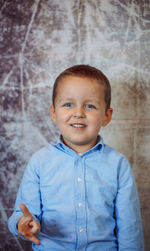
67,105
90,106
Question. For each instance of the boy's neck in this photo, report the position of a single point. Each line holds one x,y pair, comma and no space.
80,149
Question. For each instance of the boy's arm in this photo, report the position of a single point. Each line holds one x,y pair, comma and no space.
28,194
127,210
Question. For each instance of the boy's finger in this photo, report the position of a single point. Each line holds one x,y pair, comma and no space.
25,211
32,238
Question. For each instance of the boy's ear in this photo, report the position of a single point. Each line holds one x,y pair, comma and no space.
52,113
108,116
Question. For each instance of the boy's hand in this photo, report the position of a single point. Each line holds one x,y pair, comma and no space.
27,227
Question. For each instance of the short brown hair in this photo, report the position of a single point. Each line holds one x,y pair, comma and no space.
89,72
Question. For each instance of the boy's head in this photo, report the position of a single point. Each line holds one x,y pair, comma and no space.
88,72
81,106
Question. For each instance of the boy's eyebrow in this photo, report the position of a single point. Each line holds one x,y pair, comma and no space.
65,98
68,99
92,100
95,100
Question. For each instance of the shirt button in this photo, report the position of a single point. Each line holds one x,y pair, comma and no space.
79,179
80,229
80,204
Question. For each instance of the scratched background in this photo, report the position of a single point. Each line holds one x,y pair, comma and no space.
40,38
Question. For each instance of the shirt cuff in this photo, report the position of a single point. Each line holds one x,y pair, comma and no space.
13,221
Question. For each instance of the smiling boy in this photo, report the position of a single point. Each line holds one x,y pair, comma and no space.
79,194
79,111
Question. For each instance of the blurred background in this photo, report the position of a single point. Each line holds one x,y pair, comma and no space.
39,39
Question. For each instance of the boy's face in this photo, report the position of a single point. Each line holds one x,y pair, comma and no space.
79,112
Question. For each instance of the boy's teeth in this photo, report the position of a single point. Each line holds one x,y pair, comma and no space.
77,125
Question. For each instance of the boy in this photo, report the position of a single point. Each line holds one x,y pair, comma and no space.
79,194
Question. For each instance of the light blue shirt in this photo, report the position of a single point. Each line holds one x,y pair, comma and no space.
87,202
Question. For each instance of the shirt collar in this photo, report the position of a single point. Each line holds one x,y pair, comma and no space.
60,145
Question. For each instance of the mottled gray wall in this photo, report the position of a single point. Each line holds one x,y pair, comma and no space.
40,38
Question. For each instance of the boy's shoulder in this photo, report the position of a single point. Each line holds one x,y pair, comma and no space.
43,152
42,157
111,154
107,149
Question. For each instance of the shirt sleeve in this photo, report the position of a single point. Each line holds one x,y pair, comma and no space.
127,211
28,194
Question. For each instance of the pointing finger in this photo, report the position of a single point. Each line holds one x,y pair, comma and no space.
25,211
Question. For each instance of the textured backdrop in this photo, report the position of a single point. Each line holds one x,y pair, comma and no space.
40,38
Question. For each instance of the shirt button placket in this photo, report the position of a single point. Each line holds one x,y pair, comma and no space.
80,204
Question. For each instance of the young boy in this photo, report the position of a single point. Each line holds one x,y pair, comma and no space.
79,194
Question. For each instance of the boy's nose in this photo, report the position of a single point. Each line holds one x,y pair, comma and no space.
79,112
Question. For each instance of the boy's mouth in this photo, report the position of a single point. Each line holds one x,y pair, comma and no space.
78,125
